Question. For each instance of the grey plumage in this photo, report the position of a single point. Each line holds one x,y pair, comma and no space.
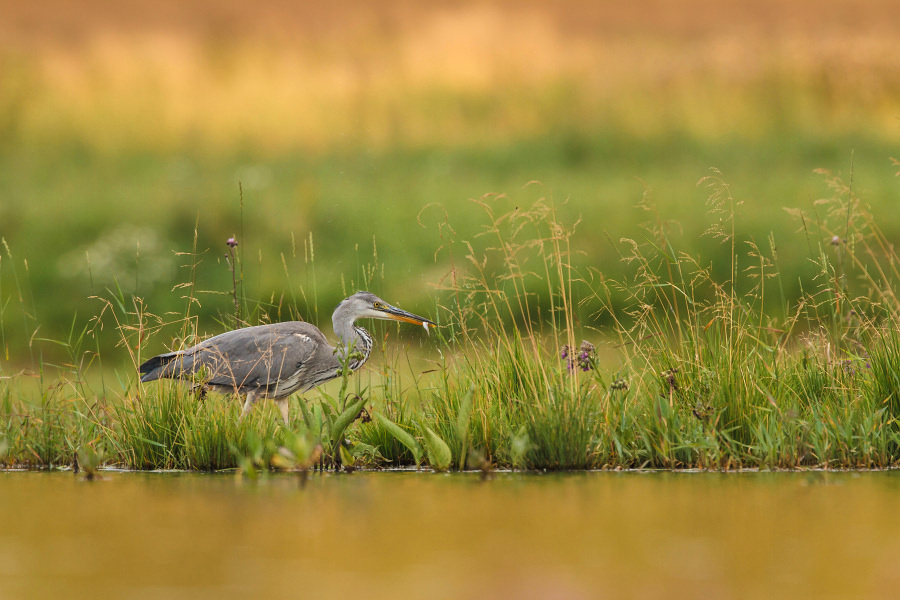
274,361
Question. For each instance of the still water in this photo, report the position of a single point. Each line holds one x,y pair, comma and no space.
422,535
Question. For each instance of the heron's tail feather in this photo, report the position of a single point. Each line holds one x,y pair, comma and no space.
160,366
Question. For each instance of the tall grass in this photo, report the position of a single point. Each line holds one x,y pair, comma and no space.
710,374
687,362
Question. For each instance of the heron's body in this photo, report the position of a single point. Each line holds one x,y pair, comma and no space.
274,361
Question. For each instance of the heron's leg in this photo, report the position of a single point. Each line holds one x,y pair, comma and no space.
284,407
248,403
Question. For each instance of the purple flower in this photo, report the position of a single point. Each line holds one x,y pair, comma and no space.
584,359
231,242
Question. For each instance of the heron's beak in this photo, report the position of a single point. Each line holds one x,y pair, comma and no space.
394,313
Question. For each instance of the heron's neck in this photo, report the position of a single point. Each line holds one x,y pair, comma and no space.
352,340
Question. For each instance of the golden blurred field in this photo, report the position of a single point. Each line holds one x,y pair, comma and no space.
280,75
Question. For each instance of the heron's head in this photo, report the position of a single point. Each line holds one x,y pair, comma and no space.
366,305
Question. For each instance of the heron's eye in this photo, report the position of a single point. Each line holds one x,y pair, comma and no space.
378,305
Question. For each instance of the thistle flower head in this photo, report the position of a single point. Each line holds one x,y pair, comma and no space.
584,359
586,356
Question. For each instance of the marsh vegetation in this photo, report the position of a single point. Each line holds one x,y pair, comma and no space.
685,370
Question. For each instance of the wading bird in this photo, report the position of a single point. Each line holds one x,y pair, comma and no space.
274,361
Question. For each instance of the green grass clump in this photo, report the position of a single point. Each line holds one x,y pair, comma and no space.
174,429
46,430
712,373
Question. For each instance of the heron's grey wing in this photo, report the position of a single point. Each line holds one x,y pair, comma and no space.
258,357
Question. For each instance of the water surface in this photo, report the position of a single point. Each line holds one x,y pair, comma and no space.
422,535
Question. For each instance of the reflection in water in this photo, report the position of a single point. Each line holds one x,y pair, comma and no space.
421,535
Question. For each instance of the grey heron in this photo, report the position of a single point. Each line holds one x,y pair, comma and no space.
274,361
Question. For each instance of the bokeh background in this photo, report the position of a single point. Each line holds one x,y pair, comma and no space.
356,128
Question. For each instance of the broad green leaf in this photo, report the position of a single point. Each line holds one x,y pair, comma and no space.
330,404
318,418
347,459
345,418
439,455
298,447
365,452
521,444
401,436
462,426
307,418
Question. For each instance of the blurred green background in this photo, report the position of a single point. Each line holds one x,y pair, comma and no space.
125,126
